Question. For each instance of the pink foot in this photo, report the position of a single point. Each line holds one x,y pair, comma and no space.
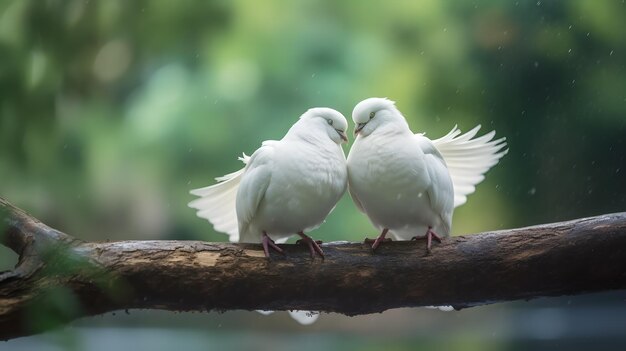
371,241
269,243
381,238
314,246
430,235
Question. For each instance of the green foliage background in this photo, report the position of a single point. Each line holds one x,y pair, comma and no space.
111,111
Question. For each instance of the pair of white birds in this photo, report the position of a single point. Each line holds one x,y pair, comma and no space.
407,184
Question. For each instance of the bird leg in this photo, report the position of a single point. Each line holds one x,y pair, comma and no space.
381,238
313,245
267,243
430,235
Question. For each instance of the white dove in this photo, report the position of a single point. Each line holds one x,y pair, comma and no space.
287,187
407,184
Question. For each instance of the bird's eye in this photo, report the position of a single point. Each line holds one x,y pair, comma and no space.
330,121
372,114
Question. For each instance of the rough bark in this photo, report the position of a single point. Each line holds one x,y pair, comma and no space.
579,256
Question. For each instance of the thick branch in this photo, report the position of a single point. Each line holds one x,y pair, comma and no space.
584,255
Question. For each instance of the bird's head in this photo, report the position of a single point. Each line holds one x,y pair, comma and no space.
373,113
332,121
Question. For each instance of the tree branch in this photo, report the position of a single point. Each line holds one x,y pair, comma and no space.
579,256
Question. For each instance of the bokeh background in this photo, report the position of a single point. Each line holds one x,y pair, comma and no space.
111,111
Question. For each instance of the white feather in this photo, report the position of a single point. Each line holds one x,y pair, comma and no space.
286,187
407,183
306,161
217,202
469,159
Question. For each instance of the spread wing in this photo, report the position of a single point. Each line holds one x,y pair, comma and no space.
469,159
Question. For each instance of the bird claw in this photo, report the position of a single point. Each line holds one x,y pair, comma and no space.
381,238
268,243
314,245
430,235
376,242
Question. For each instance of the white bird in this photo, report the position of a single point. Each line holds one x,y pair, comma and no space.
287,186
407,184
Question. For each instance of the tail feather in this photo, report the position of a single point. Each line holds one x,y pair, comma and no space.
217,202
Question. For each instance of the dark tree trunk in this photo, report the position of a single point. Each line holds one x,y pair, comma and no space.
583,255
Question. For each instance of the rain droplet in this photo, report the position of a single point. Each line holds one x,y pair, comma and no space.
532,191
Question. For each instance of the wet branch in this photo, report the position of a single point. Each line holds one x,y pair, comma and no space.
579,256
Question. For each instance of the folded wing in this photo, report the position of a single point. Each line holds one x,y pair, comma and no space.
253,187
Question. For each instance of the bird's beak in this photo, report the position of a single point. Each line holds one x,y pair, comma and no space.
358,128
343,135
